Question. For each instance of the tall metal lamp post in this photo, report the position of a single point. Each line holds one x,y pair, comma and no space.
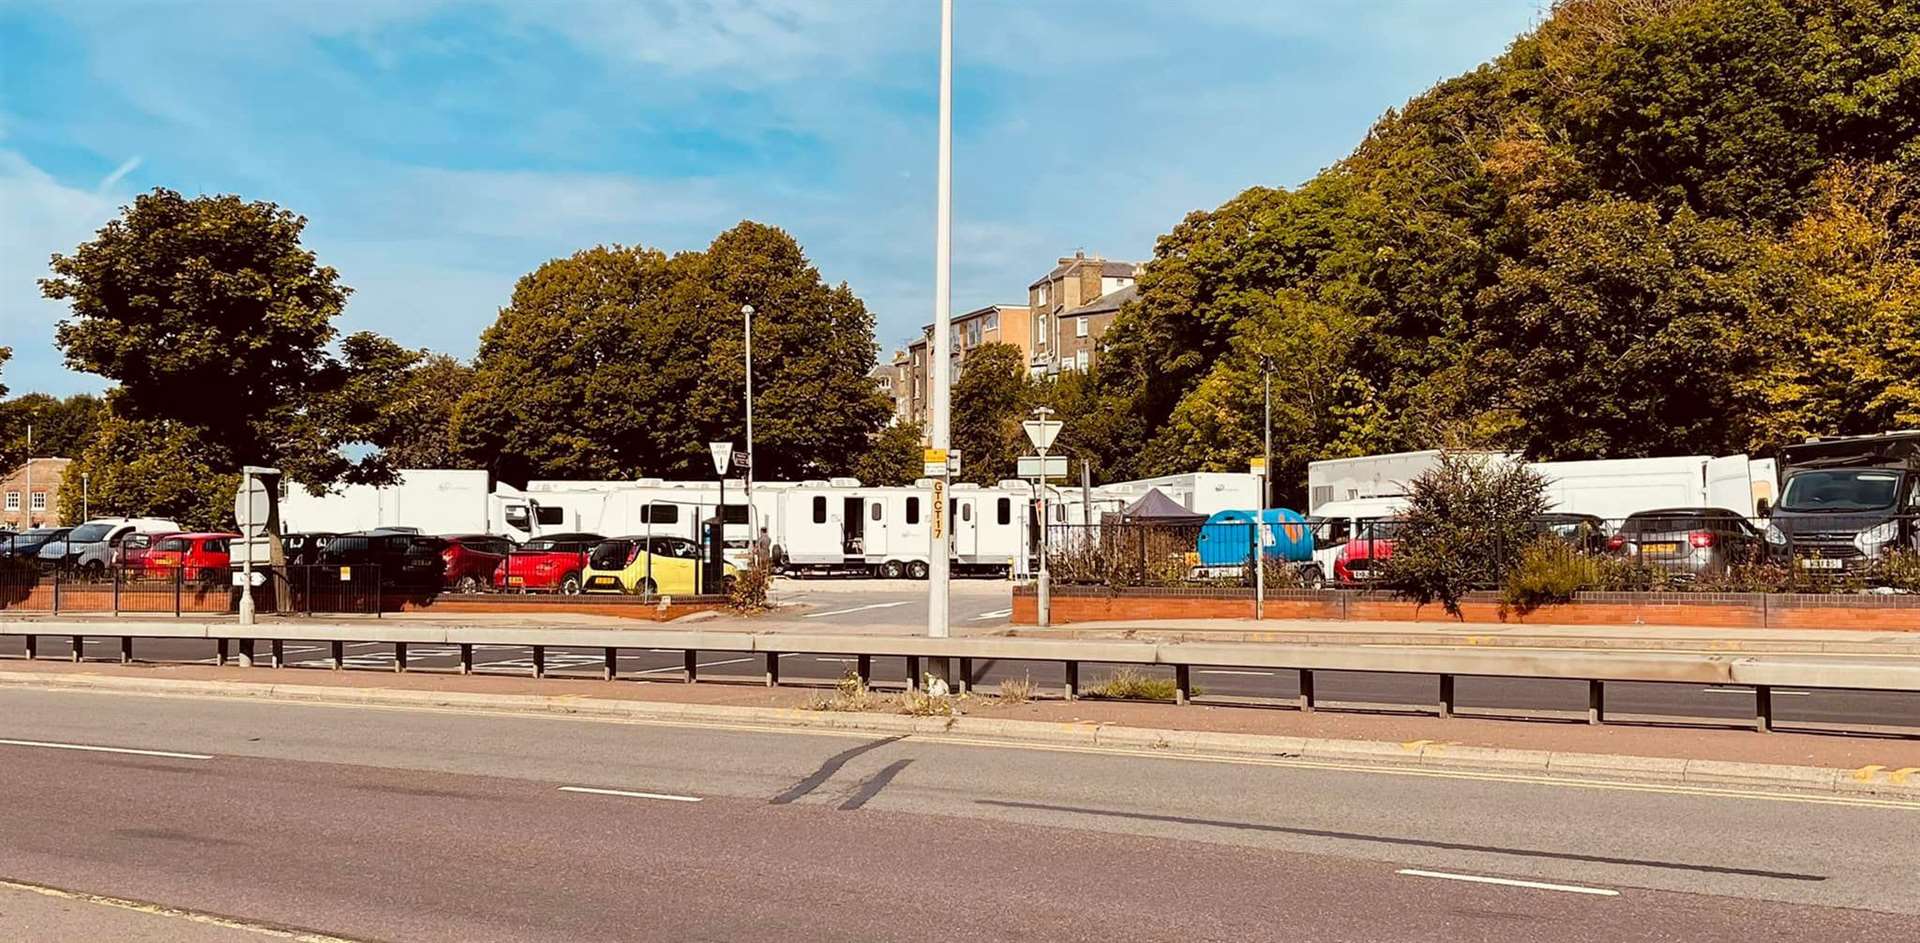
746,311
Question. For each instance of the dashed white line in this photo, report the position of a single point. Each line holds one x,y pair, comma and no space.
1509,882
85,748
996,614
842,612
630,795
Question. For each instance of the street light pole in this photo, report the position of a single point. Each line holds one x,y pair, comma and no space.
746,311
939,432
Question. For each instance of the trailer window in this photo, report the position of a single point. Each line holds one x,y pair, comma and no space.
734,514
876,510
966,511
819,510
1004,511
660,514
913,510
550,516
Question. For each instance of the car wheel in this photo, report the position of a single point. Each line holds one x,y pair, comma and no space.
93,569
570,585
649,588
466,585
1312,578
892,570
209,576
917,570
726,585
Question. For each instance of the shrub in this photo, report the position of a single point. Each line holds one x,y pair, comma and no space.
1899,571
749,590
1468,519
849,694
922,704
1016,690
1763,578
1549,572
1133,684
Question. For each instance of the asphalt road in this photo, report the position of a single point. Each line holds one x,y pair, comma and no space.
1850,710
424,825
977,605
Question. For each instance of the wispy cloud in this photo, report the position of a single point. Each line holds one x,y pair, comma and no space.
120,173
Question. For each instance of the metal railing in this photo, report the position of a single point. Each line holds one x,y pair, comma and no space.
1761,673
141,589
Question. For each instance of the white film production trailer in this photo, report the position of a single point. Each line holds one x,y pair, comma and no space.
1199,492
1607,488
436,501
827,528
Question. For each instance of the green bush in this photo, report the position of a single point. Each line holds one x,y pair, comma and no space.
749,590
1468,520
1899,570
1550,572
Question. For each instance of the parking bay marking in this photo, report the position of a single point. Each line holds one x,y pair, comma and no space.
664,797
1509,882
842,612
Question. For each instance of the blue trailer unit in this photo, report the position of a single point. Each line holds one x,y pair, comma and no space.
1225,538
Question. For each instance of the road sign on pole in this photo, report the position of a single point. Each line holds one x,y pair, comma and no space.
722,455
1041,432
934,463
1042,466
252,509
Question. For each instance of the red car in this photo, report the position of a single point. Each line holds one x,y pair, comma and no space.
471,560
131,554
550,564
1359,559
202,557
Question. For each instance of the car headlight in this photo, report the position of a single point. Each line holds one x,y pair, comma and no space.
1873,538
1775,536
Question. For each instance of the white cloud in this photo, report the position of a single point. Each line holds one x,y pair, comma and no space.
43,216
119,173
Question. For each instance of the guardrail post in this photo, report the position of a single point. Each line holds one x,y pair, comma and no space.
466,658
1763,708
773,669
339,653
689,666
278,649
246,653
220,652
113,573
126,649
56,592
178,578
863,669
964,679
1072,687
913,672
1182,684
79,648
539,661
1306,690
1596,702
399,656
1446,695
612,663
33,647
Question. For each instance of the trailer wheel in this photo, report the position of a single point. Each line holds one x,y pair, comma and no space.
917,570
892,570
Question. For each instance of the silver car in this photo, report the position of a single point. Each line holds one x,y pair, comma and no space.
1689,542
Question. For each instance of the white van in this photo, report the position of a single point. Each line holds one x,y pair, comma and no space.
89,547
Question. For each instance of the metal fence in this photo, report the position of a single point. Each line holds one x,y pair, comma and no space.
121,589
1662,551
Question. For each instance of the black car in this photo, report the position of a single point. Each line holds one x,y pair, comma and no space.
1585,531
27,543
302,549
405,561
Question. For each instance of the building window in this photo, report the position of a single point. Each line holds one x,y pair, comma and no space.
39,501
1079,327
1081,358
13,500
993,321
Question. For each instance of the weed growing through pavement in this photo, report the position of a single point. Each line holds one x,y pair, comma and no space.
922,704
849,694
1015,690
1134,684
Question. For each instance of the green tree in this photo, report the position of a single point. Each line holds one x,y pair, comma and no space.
155,468
1468,520
61,426
894,458
399,401
989,403
623,362
6,354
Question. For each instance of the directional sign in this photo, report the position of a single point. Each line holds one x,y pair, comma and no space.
1041,432
1034,466
258,551
722,454
743,460
934,463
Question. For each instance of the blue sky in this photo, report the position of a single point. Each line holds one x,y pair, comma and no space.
441,149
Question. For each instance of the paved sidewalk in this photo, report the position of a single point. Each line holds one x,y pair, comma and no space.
1392,730
1530,635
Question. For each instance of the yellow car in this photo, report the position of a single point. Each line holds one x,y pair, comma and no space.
648,566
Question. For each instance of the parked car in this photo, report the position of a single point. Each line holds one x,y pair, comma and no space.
1688,542
550,564
1585,531
303,549
649,566
471,559
1847,502
1359,558
406,561
27,543
89,547
131,555
201,557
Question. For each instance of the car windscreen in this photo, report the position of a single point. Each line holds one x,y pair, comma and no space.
1841,489
88,533
609,554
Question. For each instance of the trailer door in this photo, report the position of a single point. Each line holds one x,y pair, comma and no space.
877,545
966,529
1730,485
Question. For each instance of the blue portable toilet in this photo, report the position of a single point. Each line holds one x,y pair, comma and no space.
1224,538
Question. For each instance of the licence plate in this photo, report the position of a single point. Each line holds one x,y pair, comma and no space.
516,581
1816,563
1660,548
603,581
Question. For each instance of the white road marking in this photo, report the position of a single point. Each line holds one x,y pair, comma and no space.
93,749
1749,691
1232,671
1506,882
174,913
996,614
842,612
631,795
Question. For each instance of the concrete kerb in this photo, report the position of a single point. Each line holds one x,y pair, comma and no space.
1874,781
